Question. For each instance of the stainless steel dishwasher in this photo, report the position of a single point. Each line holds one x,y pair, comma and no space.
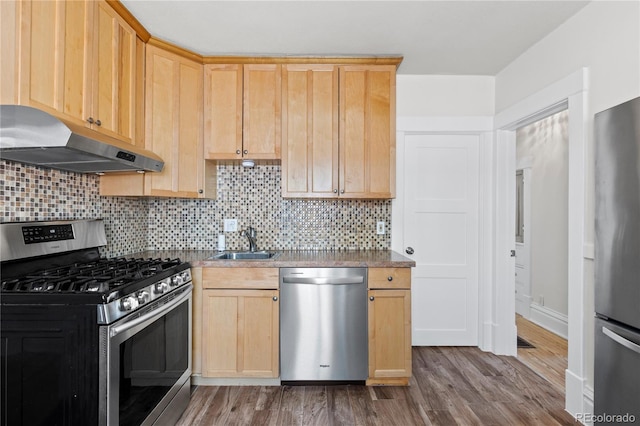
323,324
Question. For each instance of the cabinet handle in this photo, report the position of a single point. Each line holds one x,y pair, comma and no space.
99,123
238,151
371,298
389,278
90,120
275,298
335,191
246,151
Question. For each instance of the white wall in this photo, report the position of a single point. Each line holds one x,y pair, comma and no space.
605,37
546,144
444,95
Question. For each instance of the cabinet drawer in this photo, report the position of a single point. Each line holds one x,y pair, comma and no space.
259,278
389,277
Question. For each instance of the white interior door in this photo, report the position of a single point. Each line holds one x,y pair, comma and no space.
441,225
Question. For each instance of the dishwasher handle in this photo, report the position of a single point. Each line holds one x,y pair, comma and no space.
323,280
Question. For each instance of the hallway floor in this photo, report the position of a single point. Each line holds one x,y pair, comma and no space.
549,357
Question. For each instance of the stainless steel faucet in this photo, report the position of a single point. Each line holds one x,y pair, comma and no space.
250,233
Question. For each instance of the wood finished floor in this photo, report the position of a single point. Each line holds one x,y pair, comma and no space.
549,357
450,386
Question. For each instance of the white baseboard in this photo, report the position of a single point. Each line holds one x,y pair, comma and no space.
574,391
552,320
523,306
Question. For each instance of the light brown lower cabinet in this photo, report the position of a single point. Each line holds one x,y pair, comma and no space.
240,326
237,320
389,326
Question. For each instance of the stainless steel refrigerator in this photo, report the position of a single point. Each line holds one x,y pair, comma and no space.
617,263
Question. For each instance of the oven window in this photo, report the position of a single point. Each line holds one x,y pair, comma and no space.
151,362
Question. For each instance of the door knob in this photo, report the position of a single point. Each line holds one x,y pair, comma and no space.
409,250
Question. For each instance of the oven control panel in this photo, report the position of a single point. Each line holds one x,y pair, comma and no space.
47,233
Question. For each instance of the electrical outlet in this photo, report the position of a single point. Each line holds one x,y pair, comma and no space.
380,228
230,225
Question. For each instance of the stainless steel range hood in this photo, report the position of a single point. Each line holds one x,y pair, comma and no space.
32,136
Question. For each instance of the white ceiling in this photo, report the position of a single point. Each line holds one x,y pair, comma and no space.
435,37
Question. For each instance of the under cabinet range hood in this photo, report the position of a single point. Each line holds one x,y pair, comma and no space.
29,135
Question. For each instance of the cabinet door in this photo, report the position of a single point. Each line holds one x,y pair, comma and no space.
262,111
240,333
54,57
113,83
389,336
174,124
223,112
310,131
367,131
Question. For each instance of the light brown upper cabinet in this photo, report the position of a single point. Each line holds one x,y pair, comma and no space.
174,124
242,111
173,106
367,131
78,60
350,157
310,131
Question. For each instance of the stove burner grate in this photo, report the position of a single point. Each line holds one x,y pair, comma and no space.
101,276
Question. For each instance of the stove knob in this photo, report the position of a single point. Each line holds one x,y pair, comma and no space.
161,287
175,280
143,297
128,303
185,277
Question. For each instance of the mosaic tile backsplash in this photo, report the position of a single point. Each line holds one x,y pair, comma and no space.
29,193
252,196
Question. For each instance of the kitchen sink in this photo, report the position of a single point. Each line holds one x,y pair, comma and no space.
245,255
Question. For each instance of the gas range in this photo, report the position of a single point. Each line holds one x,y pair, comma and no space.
73,274
115,331
117,286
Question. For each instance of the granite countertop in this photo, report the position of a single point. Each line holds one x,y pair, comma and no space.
290,259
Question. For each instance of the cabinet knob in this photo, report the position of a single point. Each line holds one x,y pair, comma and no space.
246,151
335,191
371,298
389,278
275,298
90,120
99,123
200,191
409,250
342,191
238,151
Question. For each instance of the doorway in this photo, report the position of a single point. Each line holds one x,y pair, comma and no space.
542,222
568,93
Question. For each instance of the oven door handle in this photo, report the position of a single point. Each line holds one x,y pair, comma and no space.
121,328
